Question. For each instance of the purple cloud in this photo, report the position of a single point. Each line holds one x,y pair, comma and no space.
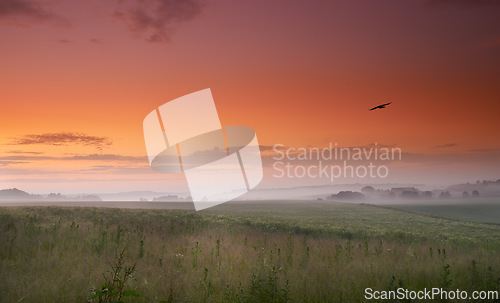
26,11
155,20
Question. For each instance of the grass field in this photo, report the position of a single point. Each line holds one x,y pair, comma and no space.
472,212
245,252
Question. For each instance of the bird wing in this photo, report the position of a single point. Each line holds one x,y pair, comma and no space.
381,106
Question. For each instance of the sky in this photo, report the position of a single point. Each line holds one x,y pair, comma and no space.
78,77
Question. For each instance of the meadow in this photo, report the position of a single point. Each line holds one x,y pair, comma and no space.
480,211
314,251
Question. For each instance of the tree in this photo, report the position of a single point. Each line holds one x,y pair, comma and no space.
409,194
347,195
475,194
444,195
368,190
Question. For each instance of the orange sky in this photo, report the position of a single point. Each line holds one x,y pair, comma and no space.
301,73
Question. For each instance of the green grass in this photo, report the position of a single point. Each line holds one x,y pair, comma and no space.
351,221
253,252
472,212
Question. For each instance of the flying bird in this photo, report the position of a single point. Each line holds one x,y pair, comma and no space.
381,106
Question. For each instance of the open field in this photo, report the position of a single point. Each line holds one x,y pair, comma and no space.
241,252
472,212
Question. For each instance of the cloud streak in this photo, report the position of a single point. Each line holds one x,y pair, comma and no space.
443,156
108,157
446,145
23,152
155,20
4,163
26,11
89,157
63,139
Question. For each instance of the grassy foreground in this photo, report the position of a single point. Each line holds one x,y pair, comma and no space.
296,252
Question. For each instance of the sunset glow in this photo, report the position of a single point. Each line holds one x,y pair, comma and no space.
78,78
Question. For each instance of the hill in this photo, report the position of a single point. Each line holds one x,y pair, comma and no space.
15,194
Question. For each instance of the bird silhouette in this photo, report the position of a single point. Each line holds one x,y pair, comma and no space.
381,106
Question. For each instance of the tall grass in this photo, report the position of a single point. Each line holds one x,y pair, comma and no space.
60,254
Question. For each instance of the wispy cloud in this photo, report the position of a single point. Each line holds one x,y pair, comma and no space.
26,11
74,180
89,157
63,138
95,40
484,150
442,156
23,152
108,157
490,158
9,162
446,145
155,20
150,20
